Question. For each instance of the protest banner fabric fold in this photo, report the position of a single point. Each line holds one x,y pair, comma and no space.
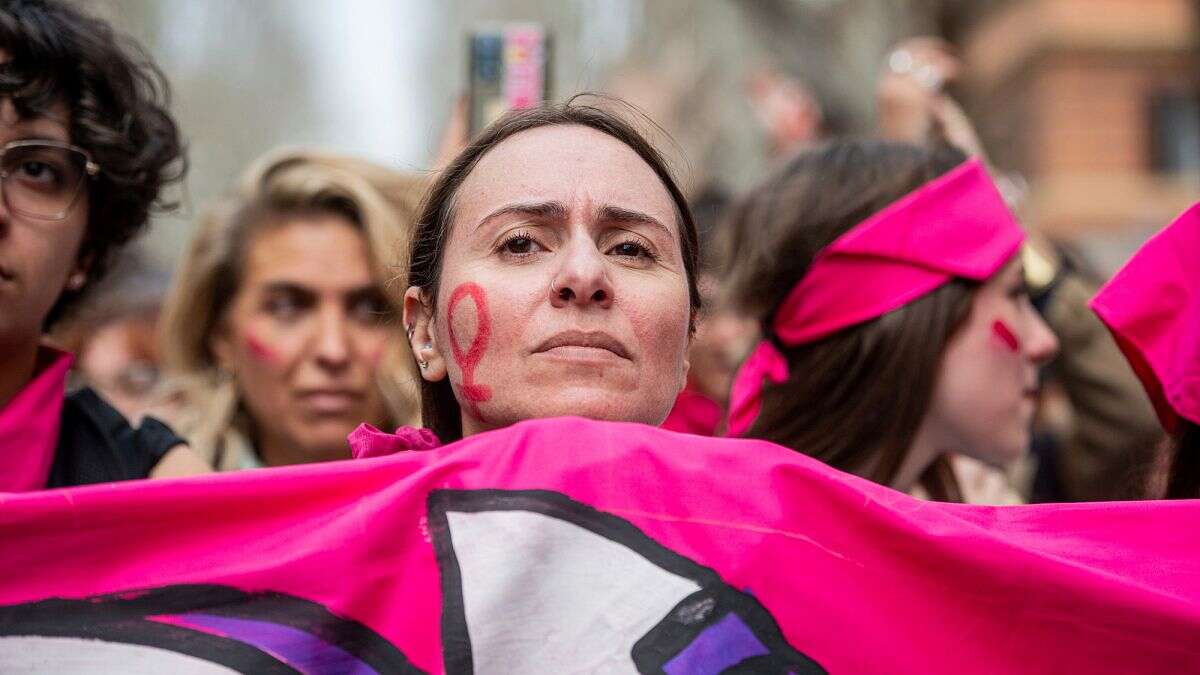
569,545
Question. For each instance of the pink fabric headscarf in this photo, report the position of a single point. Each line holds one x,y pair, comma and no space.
955,226
1152,307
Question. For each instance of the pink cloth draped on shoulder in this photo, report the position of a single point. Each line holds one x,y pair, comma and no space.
694,413
366,441
29,425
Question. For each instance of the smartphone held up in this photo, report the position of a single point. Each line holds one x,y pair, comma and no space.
509,70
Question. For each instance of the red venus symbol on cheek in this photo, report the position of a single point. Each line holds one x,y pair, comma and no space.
468,360
1006,336
259,350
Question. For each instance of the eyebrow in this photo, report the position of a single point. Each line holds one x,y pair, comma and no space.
354,292
287,287
543,210
623,215
557,211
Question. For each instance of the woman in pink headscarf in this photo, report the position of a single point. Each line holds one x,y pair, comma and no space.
897,325
1152,307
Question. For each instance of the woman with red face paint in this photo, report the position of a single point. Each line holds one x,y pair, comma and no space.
552,272
1152,307
86,143
277,334
897,326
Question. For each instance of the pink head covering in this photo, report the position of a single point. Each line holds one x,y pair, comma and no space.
1152,307
954,226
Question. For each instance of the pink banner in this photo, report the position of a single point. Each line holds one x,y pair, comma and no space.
574,546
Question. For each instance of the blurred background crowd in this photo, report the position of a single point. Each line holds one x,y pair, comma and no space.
1088,112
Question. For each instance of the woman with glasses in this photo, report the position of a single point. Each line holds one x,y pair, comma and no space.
85,145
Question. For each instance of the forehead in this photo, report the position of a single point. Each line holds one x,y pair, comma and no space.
317,250
51,124
563,163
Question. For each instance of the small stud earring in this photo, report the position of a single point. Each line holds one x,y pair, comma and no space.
424,364
76,280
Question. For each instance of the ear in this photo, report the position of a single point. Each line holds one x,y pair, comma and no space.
78,277
422,338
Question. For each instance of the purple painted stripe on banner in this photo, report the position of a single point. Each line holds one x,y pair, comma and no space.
721,645
303,651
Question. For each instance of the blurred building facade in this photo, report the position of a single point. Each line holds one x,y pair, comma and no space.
1092,101
1097,104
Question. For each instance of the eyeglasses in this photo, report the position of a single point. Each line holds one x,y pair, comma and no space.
42,179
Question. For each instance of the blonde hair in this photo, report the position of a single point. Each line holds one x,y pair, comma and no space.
200,400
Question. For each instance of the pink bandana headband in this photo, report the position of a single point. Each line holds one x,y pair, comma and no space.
956,226
1152,307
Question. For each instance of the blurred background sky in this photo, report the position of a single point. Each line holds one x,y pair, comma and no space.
1091,103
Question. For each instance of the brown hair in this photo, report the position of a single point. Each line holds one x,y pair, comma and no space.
1183,481
439,409
855,399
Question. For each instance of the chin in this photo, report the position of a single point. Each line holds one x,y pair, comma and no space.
325,442
600,405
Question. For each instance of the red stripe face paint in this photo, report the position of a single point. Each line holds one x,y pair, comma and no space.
469,358
259,350
1006,335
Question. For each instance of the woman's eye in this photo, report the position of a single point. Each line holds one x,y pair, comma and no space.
520,244
38,172
631,249
282,307
370,310
1019,291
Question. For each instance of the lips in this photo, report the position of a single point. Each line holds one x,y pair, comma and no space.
582,340
330,401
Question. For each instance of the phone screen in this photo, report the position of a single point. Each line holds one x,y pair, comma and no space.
509,70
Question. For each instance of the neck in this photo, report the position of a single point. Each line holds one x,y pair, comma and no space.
275,450
926,447
471,426
16,369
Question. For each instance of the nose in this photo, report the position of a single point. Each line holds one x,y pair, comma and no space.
1042,343
332,349
582,277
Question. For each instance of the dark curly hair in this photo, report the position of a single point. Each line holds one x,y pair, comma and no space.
117,101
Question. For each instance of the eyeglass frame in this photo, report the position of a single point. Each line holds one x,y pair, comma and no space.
90,167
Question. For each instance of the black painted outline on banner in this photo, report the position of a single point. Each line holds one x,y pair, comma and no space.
122,618
658,646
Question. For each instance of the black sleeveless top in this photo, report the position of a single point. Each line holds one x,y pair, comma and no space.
96,444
